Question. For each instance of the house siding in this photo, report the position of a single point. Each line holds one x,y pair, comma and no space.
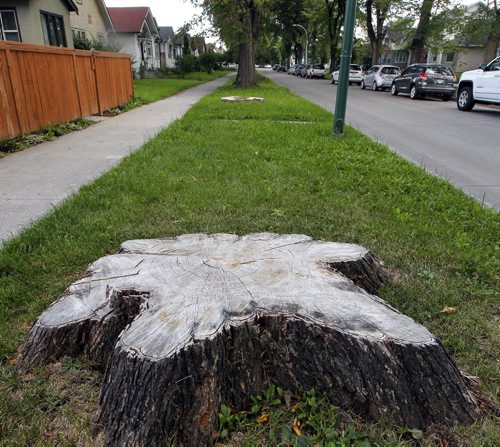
469,59
90,18
30,23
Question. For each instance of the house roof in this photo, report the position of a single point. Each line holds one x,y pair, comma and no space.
71,6
166,32
128,20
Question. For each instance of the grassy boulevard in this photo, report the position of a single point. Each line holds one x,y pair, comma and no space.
251,167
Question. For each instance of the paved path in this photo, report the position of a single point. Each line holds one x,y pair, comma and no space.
33,181
463,148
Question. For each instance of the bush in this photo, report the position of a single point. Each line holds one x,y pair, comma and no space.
208,62
187,64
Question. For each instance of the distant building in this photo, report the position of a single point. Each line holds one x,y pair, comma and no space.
170,47
136,33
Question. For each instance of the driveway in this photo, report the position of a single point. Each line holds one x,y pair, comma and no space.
463,148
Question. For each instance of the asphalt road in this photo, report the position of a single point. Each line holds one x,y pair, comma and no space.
461,147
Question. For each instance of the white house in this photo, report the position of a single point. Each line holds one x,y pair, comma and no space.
136,33
170,46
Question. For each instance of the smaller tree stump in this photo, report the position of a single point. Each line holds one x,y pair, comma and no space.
181,325
241,99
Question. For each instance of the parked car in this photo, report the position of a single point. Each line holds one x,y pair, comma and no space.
480,86
355,74
303,71
380,77
281,68
291,70
298,69
316,71
420,80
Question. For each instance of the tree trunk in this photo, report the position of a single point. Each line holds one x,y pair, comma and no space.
246,76
376,35
493,38
335,12
181,325
419,40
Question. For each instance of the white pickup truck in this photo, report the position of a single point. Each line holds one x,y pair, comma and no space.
480,86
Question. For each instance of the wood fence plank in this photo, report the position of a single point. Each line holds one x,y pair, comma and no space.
42,86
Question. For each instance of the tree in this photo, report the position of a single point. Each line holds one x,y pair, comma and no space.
419,39
238,23
377,12
493,39
335,13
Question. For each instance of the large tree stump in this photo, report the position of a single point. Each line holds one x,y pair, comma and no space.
184,324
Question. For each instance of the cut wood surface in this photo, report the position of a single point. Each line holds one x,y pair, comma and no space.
181,325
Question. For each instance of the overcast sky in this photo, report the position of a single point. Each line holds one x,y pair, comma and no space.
176,12
167,12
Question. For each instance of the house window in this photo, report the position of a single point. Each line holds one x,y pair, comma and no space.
401,57
9,28
53,29
450,57
79,33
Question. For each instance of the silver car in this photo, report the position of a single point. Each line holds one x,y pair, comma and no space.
380,77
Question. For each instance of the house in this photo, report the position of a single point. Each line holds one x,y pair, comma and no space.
197,45
394,50
136,33
42,22
170,46
92,21
466,54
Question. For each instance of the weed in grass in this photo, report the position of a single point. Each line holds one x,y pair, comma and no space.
280,418
47,133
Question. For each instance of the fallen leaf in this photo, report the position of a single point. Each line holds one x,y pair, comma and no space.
11,362
263,418
295,407
296,425
448,310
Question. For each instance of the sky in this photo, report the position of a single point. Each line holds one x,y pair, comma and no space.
177,12
167,12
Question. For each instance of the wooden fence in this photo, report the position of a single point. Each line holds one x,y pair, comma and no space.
42,86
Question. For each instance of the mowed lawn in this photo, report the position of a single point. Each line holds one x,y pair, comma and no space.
243,168
149,90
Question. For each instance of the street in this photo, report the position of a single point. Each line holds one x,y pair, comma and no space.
461,147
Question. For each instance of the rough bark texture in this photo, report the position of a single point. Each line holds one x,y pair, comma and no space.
493,39
418,43
184,324
247,49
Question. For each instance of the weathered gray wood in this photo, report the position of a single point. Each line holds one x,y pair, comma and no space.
184,324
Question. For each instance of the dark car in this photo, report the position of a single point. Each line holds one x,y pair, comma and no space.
298,70
420,80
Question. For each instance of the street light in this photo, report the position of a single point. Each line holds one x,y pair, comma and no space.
307,36
345,65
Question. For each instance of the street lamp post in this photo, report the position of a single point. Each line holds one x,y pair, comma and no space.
345,65
307,36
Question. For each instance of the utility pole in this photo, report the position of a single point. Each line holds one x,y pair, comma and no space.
345,66
307,37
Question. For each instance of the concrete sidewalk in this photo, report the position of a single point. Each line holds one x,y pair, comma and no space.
33,181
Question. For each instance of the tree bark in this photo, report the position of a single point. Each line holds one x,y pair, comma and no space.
181,325
493,38
376,34
247,76
419,40
335,11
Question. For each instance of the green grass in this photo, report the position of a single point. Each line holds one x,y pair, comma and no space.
250,167
149,90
